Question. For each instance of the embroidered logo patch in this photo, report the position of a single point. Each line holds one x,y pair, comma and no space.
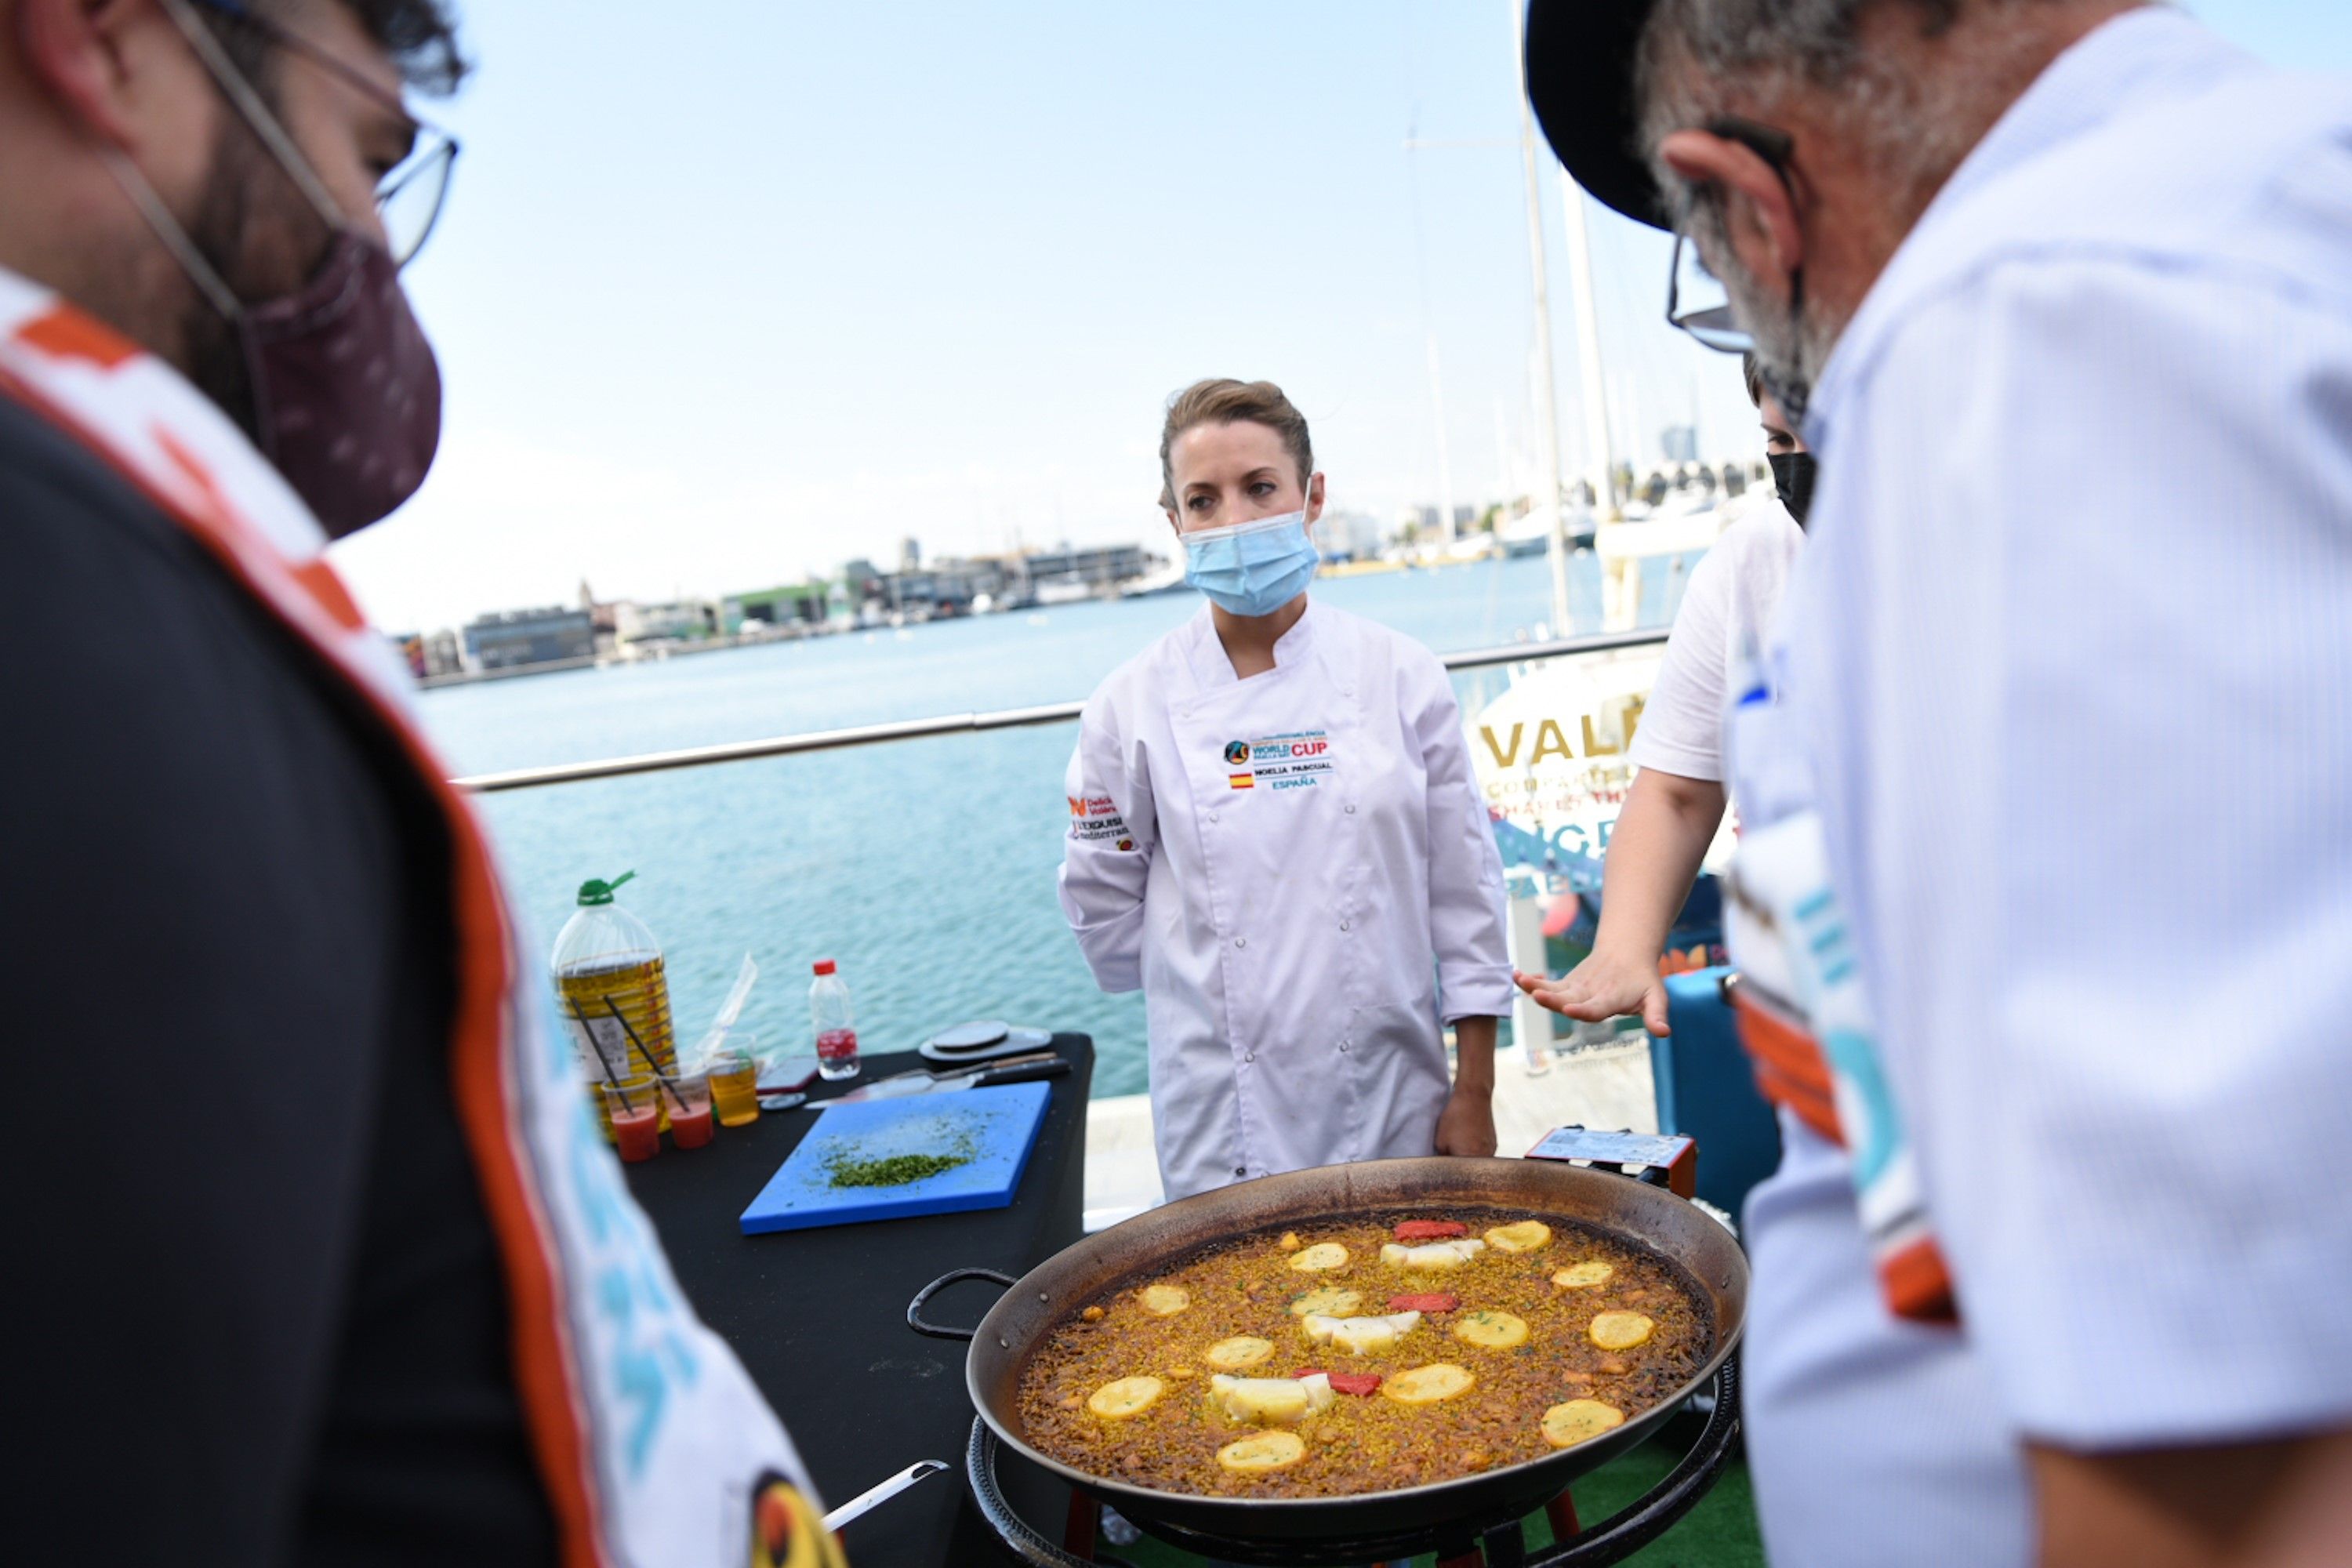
1300,760
1094,818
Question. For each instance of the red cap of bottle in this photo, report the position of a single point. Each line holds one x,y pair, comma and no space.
824,966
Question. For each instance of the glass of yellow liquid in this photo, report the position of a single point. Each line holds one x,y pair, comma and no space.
735,1079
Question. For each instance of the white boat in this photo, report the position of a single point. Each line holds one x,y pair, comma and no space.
1166,579
1064,591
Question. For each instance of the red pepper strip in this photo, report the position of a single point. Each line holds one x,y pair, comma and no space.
1430,1230
1437,1302
1356,1382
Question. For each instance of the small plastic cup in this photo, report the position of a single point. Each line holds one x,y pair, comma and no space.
689,1109
734,1070
633,1110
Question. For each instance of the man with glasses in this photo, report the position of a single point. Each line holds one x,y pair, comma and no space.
2041,902
318,1257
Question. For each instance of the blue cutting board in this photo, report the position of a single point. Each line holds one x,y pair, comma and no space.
998,1125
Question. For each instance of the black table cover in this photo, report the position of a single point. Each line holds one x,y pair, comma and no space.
819,1317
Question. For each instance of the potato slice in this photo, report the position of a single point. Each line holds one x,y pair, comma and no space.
1362,1336
1164,1300
1127,1397
1327,1300
1527,1235
1428,1384
1434,1255
1262,1451
1578,1420
1271,1401
1582,1276
1620,1330
1494,1331
1320,1259
1241,1350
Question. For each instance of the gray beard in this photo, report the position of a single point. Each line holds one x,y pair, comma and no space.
1778,337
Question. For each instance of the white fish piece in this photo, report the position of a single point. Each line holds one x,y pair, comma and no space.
1271,1401
1362,1336
1432,1255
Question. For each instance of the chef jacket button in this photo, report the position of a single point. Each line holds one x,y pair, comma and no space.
1249,1055
1212,816
1240,941
1345,1044
1343,925
1351,811
1241,1170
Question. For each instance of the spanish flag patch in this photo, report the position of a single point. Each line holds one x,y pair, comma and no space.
1244,781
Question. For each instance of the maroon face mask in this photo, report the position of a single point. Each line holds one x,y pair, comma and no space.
346,393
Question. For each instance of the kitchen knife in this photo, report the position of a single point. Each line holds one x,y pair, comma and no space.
924,1083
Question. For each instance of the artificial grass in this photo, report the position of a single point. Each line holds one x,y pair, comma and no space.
1719,1533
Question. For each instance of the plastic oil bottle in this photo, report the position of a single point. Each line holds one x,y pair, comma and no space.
614,994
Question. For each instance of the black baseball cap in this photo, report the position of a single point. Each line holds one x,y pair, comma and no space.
1579,70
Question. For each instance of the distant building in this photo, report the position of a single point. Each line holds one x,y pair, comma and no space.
509,640
680,620
1354,535
911,556
1094,566
410,646
442,654
1679,442
860,582
792,604
954,586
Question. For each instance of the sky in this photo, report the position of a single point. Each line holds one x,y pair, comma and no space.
727,292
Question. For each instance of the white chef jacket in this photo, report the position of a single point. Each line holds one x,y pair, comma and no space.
2066,673
1298,871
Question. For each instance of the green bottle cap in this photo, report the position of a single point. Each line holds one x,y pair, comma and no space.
593,891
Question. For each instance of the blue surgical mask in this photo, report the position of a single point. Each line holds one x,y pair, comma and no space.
1252,568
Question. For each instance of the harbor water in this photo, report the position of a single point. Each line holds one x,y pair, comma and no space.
924,867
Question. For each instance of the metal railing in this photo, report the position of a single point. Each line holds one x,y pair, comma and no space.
965,723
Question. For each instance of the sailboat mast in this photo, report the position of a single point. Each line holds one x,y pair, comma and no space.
1444,457
1547,415
1601,466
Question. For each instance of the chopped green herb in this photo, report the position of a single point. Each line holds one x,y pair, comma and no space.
849,1168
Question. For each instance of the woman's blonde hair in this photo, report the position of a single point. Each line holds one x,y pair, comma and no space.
1224,401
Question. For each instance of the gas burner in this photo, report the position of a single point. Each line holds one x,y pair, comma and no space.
1460,1543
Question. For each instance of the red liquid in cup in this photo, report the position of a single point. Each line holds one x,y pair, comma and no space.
637,1133
690,1128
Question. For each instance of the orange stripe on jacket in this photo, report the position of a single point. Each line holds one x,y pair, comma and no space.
550,1407
64,333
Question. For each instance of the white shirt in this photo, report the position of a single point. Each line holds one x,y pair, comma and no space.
2067,673
1298,872
1725,608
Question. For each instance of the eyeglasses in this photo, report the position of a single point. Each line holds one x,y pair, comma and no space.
1711,321
410,196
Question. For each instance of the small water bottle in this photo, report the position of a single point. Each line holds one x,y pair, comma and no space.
836,1030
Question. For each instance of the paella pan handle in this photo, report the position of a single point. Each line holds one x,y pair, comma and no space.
915,1319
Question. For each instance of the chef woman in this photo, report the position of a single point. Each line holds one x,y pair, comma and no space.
1275,833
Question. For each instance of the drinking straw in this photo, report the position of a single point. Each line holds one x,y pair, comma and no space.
651,1065
601,1059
